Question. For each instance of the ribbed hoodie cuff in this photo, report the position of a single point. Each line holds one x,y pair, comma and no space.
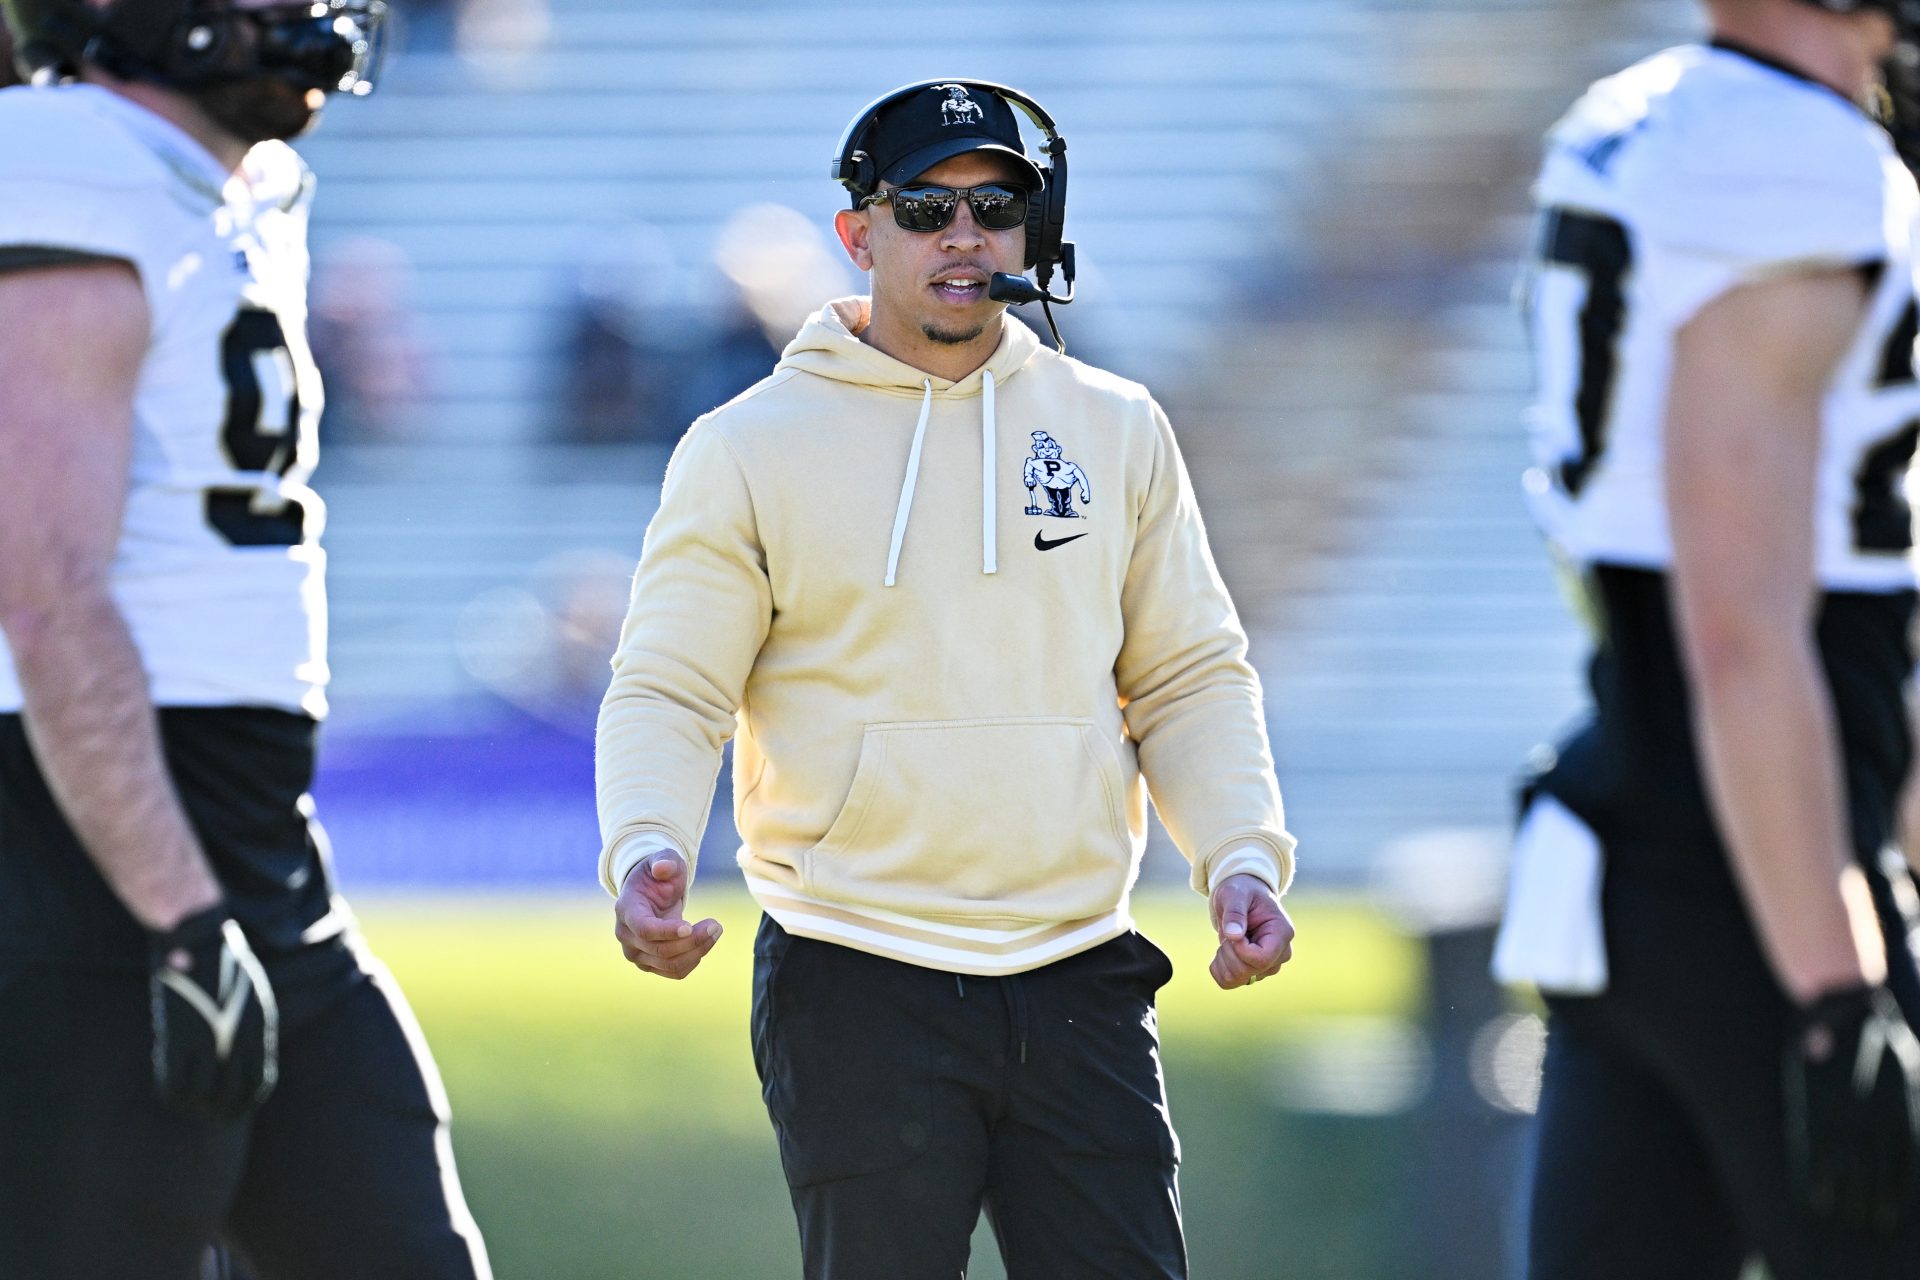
1253,858
630,852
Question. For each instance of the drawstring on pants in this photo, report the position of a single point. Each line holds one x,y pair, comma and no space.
1017,1010
1015,992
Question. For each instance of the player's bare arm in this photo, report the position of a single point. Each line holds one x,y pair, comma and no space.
1743,433
72,340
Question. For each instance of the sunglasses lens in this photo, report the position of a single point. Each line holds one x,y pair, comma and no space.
998,207
924,208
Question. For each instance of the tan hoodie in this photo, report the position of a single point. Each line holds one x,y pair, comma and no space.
948,769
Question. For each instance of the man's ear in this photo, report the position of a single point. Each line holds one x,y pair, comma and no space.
855,229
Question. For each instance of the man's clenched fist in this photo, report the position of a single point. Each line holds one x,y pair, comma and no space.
1256,936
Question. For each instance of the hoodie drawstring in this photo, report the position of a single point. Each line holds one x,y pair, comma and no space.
989,466
907,485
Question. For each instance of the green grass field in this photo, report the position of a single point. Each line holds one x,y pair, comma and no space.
609,1124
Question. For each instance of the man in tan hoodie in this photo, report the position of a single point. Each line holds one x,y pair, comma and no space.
948,711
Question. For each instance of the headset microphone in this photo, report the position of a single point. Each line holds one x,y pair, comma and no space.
1007,287
1018,290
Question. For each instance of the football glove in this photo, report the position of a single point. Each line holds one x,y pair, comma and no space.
216,1028
1853,1108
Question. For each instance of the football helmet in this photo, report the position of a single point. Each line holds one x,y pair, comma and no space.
332,45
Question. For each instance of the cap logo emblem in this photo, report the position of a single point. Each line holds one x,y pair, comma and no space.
959,108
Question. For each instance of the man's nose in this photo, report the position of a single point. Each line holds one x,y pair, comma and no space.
963,232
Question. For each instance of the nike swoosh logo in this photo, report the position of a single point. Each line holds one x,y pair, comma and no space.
1043,543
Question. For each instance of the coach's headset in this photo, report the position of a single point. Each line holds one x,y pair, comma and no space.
1047,248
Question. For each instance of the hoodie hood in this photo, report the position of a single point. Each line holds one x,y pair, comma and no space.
829,345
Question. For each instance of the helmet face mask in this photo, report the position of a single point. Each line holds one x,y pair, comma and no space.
193,45
335,45
331,45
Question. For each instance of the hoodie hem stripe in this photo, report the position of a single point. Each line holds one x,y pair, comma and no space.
977,952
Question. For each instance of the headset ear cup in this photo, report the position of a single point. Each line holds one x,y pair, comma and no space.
1037,221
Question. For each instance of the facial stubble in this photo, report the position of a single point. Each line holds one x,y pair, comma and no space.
950,338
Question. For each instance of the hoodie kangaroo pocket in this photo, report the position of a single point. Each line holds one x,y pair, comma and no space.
993,817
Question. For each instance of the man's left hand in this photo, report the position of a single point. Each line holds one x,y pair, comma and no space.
1256,937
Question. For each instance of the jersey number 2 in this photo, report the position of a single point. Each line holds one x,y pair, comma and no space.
261,433
1882,520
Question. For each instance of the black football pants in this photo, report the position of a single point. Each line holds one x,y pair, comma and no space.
905,1099
1662,1151
345,1170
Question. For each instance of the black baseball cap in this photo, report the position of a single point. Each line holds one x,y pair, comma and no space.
915,133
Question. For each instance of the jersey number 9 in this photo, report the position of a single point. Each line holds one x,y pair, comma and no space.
261,433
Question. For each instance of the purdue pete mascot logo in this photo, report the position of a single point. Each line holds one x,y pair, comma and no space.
1047,470
960,108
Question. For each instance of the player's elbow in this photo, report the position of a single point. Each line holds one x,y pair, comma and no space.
1728,642
41,596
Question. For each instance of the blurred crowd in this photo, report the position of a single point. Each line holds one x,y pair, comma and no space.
648,342
645,338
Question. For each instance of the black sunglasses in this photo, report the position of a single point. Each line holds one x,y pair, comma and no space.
997,206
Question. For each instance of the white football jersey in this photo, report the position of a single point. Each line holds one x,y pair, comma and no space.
1698,170
218,569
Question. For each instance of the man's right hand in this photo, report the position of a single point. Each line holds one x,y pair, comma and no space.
1853,1109
648,920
